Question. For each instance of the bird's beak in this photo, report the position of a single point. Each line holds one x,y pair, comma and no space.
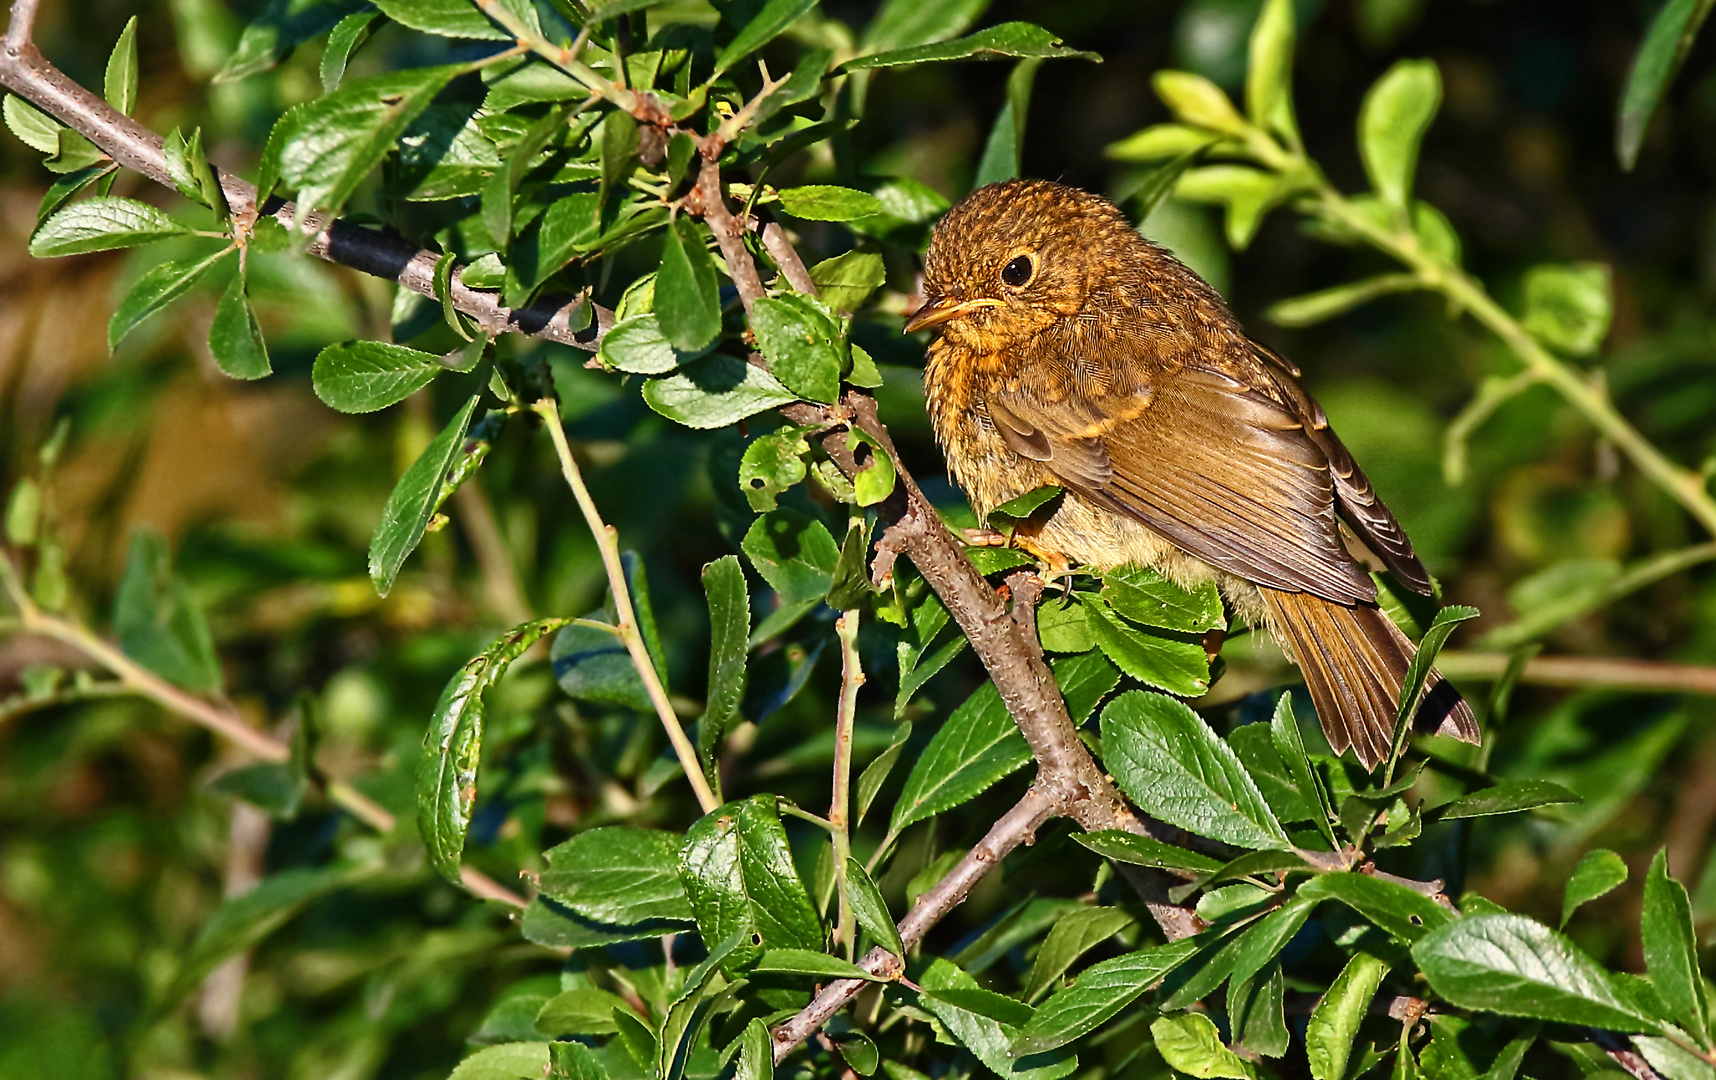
939,309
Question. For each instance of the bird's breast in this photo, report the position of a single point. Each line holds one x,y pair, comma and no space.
957,383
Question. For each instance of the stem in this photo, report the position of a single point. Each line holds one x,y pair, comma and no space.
564,58
1017,826
851,678
711,204
607,542
220,720
1466,293
1580,671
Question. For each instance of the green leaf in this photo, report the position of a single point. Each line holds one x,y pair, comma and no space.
729,631
323,149
1269,70
1146,596
1159,142
281,26
1016,39
453,745
1335,1021
570,227
688,302
1507,797
1155,659
1084,681
1139,850
582,1011
1253,864
1256,1014
102,223
365,376
345,38
714,878
1073,935
33,127
1062,624
756,1052
1313,308
876,773
1019,509
1671,949
804,343
1099,993
845,280
638,344
1398,910
870,909
1151,188
507,1061
159,286
1000,158
976,746
120,85
244,921
1247,193
991,1041
1197,101
1598,873
618,875
763,27
1009,1012
780,905
810,962
715,391
447,18
158,623
1660,55
771,465
1262,942
593,665
1166,758
875,479
1516,966
1397,110
689,1011
1290,745
794,553
414,500
1568,306
1190,1044
235,339
901,23
1418,672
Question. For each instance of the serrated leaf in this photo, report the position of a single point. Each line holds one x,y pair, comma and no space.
870,909
715,391
343,40
639,345
618,875
1099,993
1138,850
33,127
688,302
159,286
102,223
1671,949
1418,671
976,746
1145,596
365,376
120,85
1015,39
452,747
447,18
804,343
763,27
771,465
1335,1021
1507,797
1397,110
1072,935
1516,966
1598,873
235,338
794,553
1190,1044
991,1041
1154,658
809,962
729,631
1166,758
414,500
1398,910
845,280
323,149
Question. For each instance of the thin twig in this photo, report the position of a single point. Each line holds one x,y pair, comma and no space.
220,720
709,202
1577,671
607,542
851,678
1017,826
786,257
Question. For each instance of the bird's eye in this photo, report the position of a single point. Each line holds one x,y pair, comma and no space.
1017,272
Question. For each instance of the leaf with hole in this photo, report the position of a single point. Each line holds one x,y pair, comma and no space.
453,746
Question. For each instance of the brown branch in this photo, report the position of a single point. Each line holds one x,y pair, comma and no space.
1017,826
786,257
1577,671
27,73
708,201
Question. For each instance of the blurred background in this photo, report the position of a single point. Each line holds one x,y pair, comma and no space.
114,849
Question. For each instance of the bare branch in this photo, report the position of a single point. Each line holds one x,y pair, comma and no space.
1017,826
22,26
1576,671
786,257
708,201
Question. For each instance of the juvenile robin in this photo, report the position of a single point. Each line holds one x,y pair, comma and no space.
1072,351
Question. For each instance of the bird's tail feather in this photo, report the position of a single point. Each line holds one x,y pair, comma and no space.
1354,661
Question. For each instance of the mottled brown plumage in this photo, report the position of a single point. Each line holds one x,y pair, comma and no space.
1074,352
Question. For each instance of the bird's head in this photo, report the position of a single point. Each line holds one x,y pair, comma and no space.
1015,257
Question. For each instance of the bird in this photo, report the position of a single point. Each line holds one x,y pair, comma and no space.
1071,351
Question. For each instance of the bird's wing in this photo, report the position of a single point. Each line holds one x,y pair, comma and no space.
1226,473
1356,499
